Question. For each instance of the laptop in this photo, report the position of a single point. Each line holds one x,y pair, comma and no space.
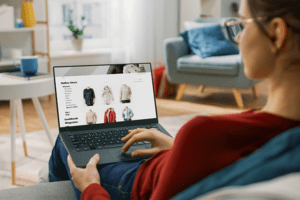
98,104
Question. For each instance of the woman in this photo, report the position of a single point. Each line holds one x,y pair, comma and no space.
270,45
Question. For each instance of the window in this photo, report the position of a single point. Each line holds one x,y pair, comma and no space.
96,21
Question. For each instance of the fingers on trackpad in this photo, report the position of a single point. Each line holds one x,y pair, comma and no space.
125,155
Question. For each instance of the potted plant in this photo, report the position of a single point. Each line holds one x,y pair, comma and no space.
77,33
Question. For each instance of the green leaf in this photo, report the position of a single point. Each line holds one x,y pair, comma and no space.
75,31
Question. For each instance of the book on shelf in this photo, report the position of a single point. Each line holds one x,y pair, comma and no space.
22,76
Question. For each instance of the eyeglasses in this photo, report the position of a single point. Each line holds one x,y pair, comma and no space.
234,27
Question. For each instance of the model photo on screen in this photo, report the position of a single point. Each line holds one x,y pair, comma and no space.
134,68
89,96
109,116
125,94
127,114
126,69
107,95
115,69
91,117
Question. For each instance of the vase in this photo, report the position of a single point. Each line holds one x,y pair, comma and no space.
77,44
28,15
0,52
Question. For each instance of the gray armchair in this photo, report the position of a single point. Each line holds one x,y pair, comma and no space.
183,67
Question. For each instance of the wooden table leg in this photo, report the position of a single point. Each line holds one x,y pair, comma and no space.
40,112
238,98
13,140
254,92
201,88
22,124
180,91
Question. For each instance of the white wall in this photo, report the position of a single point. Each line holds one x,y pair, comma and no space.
218,8
189,9
226,6
92,59
169,27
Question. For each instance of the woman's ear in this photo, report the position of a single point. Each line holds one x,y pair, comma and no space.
279,32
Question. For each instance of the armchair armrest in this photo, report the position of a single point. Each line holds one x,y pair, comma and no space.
174,49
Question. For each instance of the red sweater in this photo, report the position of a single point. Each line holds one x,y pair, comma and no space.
202,146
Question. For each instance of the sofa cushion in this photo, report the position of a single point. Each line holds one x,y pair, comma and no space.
217,65
62,190
279,156
283,187
208,41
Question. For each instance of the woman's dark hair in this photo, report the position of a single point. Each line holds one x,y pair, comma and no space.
288,10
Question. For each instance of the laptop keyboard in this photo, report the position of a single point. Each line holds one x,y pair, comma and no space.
99,139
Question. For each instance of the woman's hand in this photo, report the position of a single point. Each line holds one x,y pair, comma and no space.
83,177
159,141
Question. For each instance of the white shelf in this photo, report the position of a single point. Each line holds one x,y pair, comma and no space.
86,52
3,29
6,62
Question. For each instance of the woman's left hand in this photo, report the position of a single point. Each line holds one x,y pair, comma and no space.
83,177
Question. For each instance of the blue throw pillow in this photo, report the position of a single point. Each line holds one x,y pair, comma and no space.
208,41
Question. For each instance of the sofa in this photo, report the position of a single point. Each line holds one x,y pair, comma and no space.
270,173
226,71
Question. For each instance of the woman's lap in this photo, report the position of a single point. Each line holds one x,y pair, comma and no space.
116,178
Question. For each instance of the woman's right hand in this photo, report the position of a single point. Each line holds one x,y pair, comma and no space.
159,141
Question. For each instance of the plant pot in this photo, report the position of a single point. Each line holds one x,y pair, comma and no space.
77,44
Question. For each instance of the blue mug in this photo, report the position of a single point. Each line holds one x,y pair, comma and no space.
29,64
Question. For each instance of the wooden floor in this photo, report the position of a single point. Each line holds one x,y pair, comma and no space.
214,101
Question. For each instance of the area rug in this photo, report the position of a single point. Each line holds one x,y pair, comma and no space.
39,151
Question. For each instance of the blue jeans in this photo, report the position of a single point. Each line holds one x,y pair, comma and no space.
117,178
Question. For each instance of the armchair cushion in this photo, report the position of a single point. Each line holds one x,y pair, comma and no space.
208,41
216,65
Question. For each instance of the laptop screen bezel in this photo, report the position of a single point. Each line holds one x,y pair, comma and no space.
104,125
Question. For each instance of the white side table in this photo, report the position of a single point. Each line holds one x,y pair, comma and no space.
15,90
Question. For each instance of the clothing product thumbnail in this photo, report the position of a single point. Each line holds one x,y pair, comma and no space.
107,95
89,96
91,117
125,94
127,114
109,116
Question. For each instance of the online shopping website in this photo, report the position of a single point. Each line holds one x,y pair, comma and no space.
104,94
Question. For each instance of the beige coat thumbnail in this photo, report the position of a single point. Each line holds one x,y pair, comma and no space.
91,117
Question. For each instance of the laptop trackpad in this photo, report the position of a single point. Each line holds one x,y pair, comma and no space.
117,152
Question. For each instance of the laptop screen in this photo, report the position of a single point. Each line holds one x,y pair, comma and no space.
104,94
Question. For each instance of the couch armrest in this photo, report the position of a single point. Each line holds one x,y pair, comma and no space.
61,190
174,49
